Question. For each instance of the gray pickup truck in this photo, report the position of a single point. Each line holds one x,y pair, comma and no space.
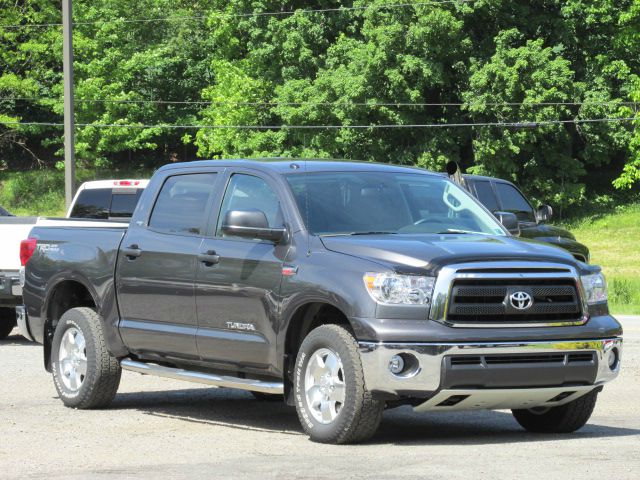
342,288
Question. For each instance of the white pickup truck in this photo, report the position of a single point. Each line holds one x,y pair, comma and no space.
107,200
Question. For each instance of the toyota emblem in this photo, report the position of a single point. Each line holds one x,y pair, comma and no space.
520,300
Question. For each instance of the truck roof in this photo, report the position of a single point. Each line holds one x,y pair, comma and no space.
484,177
296,165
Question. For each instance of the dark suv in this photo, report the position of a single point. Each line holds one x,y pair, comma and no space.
501,195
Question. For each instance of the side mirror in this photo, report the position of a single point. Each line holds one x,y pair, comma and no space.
251,224
509,221
544,213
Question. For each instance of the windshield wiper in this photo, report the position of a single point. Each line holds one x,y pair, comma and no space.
459,232
350,234
373,233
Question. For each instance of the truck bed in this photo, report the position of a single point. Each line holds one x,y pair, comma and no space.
85,253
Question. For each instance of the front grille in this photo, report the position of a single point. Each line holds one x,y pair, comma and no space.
525,358
478,301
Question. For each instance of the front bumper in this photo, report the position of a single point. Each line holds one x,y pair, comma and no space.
491,375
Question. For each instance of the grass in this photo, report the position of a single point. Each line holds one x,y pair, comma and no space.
41,192
614,241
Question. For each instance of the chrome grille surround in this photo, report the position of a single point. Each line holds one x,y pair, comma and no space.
511,272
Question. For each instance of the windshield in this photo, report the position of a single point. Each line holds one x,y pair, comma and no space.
334,203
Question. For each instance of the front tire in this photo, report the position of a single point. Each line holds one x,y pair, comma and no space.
84,373
7,321
566,418
331,398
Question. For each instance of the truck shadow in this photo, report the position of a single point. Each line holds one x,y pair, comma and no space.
401,426
17,340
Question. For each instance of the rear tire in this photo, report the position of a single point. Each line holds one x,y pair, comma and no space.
84,373
331,398
563,419
7,321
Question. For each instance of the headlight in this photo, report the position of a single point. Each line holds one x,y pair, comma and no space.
595,288
394,289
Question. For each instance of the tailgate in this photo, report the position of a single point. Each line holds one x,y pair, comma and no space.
12,231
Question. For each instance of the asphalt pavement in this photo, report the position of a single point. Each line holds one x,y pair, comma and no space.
161,428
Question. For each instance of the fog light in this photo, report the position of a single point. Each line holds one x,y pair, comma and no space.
613,359
396,364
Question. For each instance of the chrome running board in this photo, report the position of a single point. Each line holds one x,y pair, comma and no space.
200,377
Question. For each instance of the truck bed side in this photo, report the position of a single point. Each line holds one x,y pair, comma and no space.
72,266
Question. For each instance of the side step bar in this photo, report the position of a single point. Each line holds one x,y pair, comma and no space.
199,377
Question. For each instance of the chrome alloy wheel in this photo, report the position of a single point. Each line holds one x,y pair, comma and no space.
72,359
324,385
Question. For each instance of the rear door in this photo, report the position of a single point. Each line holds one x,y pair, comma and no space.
157,267
237,296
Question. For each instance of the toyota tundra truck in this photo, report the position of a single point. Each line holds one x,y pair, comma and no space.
343,288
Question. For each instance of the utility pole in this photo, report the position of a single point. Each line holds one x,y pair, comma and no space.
67,69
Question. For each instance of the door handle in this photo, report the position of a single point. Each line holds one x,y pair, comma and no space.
132,252
209,258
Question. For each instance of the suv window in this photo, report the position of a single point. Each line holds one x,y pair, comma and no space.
485,194
105,203
513,201
247,192
182,204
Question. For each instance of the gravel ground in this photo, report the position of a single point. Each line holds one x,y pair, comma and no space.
168,429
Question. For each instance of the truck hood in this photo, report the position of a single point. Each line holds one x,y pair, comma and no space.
419,252
545,230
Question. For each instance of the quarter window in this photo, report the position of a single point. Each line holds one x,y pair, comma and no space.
182,204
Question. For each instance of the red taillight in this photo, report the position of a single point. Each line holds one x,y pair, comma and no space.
27,249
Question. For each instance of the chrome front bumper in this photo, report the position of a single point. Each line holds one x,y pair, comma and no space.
425,381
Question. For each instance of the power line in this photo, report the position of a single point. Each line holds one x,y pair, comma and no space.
520,124
327,104
246,15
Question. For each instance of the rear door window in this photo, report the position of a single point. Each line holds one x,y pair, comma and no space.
181,206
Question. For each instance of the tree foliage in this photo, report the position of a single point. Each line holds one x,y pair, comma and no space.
477,62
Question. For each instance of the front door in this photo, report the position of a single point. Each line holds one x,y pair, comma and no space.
236,297
155,274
